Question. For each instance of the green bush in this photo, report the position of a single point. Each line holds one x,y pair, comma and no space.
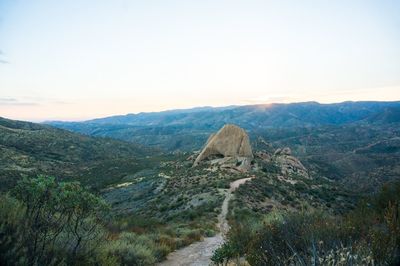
11,217
270,167
368,235
296,238
132,249
223,253
44,222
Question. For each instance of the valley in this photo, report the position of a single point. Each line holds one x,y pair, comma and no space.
349,142
209,201
199,133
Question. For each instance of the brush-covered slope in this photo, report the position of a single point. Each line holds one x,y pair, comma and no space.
187,130
356,142
362,156
28,149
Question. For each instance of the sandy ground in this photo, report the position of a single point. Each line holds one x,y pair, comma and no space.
199,253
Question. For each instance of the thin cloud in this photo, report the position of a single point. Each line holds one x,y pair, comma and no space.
8,100
2,61
29,101
15,102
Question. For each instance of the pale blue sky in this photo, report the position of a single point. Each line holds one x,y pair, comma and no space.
82,59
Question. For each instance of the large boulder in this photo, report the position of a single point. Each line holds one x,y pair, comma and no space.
229,141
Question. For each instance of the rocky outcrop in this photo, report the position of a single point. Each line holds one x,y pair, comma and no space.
229,149
284,151
263,155
289,164
229,141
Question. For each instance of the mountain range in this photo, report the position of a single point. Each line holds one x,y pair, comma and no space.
356,142
302,158
187,129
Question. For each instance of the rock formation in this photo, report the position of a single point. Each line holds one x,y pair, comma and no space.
289,164
229,141
284,151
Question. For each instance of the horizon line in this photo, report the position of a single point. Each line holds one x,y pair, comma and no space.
72,120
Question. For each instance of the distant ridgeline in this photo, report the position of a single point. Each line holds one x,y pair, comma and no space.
188,129
350,139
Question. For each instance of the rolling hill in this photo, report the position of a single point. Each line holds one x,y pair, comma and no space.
355,142
186,130
28,149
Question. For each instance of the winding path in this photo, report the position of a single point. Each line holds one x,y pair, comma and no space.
200,253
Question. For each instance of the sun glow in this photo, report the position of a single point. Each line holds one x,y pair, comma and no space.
128,57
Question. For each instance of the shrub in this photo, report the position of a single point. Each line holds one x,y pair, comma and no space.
51,223
131,249
11,237
368,235
295,239
223,253
270,167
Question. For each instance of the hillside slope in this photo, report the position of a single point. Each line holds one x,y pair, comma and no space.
355,142
361,155
28,149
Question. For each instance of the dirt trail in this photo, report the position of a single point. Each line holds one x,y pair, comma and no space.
199,253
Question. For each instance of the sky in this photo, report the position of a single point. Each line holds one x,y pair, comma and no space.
80,59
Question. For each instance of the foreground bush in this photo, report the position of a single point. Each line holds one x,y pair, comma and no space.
44,222
300,239
133,249
369,235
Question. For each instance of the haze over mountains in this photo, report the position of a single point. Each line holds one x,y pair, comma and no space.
355,142
356,139
272,115
294,157
187,129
